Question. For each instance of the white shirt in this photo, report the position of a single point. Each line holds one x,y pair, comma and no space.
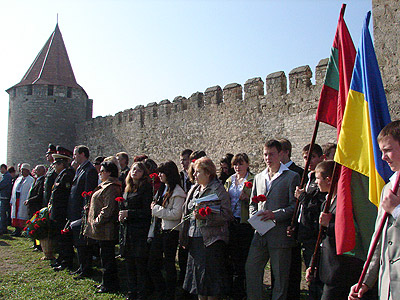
268,181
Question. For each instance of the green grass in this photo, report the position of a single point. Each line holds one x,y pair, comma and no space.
24,276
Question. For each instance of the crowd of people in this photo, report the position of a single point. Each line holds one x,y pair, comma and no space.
198,218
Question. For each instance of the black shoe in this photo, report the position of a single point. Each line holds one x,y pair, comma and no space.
81,276
105,290
61,268
76,272
55,264
131,296
16,233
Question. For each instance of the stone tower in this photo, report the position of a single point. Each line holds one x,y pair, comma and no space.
45,105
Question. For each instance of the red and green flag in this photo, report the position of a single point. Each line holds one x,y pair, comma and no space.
352,234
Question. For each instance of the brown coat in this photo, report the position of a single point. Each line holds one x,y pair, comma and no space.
102,218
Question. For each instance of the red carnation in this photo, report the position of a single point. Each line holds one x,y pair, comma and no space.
31,232
153,175
248,184
262,198
64,231
90,193
208,211
84,194
28,222
119,199
25,228
193,160
38,212
202,212
36,226
44,219
255,199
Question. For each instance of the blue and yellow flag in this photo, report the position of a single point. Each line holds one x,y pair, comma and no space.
365,115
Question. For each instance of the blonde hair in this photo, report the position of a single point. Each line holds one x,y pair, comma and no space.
132,186
205,163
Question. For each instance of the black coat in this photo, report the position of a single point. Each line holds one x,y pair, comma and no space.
60,196
136,227
297,169
337,270
85,180
35,198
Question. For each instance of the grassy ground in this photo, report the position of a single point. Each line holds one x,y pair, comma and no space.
23,275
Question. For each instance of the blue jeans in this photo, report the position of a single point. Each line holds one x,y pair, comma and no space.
4,208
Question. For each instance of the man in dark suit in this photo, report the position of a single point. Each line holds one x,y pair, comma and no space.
277,183
35,198
58,204
50,175
85,180
295,266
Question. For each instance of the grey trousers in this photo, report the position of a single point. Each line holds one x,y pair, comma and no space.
259,254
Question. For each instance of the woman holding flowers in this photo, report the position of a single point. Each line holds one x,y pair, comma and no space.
240,231
205,233
167,212
135,216
102,223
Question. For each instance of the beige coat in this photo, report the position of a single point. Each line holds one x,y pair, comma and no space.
385,264
171,215
102,217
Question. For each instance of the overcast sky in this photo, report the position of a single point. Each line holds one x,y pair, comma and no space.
125,52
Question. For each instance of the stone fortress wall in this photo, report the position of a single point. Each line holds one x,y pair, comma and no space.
233,119
239,119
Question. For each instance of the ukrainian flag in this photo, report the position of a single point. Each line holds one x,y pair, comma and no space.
366,113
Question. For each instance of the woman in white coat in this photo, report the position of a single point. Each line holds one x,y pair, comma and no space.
167,210
20,192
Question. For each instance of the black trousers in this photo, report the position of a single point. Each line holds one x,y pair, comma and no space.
84,248
110,270
240,236
63,245
163,252
136,258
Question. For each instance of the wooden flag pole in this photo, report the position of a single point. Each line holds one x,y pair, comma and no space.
335,178
303,178
376,239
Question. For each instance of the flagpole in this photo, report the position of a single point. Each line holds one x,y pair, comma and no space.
335,178
376,240
303,179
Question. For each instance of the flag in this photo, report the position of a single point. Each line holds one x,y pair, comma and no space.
338,76
366,113
332,104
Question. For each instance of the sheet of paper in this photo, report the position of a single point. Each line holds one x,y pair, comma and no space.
212,197
262,227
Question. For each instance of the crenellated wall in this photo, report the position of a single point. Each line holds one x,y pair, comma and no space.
232,119
240,118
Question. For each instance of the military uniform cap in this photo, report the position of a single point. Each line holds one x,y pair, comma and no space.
51,149
62,154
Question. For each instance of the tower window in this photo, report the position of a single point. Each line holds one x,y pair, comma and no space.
29,90
50,90
69,92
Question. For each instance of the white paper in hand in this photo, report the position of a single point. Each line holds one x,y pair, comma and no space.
262,227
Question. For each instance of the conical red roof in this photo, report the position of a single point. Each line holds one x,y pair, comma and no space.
51,65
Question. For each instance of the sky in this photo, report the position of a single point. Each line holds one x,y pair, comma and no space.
126,53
